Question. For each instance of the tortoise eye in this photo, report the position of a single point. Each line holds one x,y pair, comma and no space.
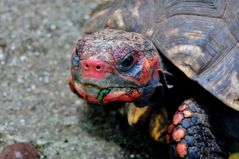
75,61
79,46
75,58
127,62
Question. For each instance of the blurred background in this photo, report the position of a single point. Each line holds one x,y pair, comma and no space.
36,104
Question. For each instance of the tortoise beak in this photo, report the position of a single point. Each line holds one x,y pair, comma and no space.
95,94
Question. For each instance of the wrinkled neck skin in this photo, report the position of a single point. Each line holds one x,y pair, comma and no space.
115,66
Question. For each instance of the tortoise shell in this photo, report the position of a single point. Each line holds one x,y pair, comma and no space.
200,37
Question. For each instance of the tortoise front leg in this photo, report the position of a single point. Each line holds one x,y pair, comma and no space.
190,136
156,116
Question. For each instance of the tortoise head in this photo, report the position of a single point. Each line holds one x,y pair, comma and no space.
113,66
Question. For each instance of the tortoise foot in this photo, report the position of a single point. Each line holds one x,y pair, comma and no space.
189,134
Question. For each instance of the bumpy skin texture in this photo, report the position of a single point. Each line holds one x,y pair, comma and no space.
190,136
112,65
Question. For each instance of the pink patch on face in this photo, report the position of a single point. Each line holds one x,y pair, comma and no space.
178,134
177,118
94,68
181,149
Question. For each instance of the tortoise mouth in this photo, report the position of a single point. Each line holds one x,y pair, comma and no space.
96,94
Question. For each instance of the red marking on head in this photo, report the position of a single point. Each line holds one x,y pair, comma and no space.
86,96
145,74
73,70
122,96
155,62
187,113
181,149
177,118
170,128
71,83
182,107
156,74
129,78
178,134
94,68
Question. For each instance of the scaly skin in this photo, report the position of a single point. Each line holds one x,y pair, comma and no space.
113,66
189,134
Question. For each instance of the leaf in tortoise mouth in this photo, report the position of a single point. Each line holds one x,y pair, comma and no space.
102,93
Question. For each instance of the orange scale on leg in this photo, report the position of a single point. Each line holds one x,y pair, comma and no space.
181,149
170,128
182,107
177,118
187,113
178,134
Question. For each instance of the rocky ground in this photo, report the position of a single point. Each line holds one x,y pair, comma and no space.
36,105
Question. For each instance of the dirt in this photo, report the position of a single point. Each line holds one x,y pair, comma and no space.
36,104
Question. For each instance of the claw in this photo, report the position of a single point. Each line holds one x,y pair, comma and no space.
137,114
158,124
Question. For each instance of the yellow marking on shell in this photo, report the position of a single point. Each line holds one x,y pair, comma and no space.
118,18
188,64
149,32
194,34
172,32
158,124
135,10
137,114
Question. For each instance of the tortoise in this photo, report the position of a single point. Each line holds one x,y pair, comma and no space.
173,64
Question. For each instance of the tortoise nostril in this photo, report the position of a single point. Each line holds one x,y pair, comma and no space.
93,65
93,68
98,67
86,66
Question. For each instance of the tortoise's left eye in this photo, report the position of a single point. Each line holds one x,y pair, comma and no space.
127,62
75,61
